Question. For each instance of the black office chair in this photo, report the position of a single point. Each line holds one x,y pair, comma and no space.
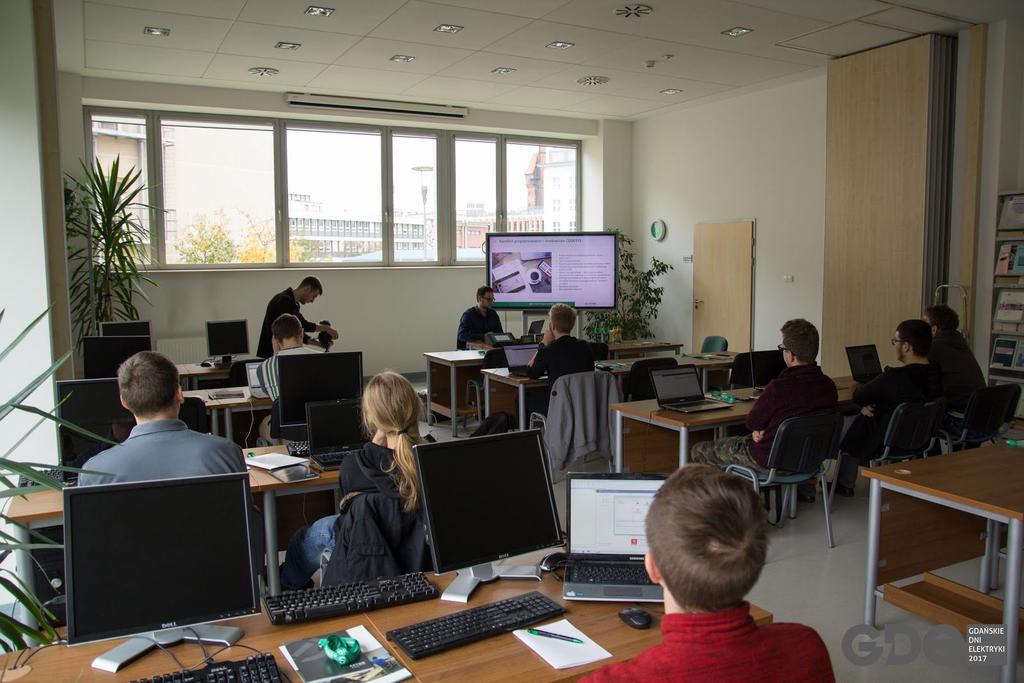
193,413
495,358
912,432
799,451
767,365
599,351
637,384
987,410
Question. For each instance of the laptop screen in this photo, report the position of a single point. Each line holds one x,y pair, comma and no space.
518,355
863,360
334,423
252,372
677,384
606,514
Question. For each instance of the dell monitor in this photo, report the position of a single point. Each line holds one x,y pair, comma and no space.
227,337
103,355
94,405
486,499
309,377
148,559
125,328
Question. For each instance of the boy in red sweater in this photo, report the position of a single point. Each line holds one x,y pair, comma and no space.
707,536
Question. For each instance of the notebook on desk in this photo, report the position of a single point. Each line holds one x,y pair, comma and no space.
679,389
252,374
864,363
517,356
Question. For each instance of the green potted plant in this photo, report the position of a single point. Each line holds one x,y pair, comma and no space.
107,246
639,298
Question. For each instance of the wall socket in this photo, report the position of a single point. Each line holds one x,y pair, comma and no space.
688,259
788,278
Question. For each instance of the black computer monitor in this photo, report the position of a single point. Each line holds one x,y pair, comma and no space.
125,328
157,555
308,377
486,499
103,355
335,425
227,337
94,405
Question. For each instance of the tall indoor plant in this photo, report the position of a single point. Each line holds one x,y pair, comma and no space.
107,245
639,298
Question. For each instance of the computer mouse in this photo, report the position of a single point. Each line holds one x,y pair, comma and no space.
636,617
553,561
206,364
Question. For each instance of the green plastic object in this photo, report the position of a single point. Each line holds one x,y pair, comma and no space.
341,649
1015,443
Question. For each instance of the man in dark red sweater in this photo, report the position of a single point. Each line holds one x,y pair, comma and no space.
707,540
801,389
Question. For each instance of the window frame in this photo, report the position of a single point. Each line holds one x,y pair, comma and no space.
445,179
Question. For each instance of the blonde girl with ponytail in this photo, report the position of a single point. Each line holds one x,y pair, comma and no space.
391,412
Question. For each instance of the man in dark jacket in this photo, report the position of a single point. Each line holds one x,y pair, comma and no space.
961,375
915,381
476,321
289,301
559,354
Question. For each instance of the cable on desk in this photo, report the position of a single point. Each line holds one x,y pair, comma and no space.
252,420
202,645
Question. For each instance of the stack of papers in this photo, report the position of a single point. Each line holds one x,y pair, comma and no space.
563,654
274,461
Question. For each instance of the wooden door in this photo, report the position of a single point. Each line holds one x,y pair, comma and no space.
723,269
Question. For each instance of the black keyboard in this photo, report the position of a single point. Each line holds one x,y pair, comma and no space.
69,478
298,449
345,598
461,628
332,460
256,669
620,574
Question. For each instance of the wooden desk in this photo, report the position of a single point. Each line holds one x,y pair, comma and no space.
628,348
446,372
648,412
940,511
501,658
228,406
191,373
706,362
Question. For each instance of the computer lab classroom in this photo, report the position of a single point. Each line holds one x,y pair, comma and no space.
688,176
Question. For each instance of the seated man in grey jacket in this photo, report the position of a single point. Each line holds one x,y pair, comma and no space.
160,446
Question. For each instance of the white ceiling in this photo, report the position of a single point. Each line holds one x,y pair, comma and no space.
215,42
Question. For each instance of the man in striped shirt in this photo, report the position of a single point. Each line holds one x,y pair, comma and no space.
287,334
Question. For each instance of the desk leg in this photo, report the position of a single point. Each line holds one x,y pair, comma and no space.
1011,598
270,536
704,378
874,525
430,413
214,421
684,446
991,555
229,425
455,403
487,395
524,419
617,426
23,559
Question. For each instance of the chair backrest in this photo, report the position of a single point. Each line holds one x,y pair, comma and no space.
495,358
767,366
802,443
1011,408
193,413
714,343
988,408
599,350
578,420
236,374
638,386
913,426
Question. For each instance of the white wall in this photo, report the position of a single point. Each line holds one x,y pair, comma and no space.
759,155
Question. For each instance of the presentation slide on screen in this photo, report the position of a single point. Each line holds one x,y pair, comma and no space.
529,271
608,517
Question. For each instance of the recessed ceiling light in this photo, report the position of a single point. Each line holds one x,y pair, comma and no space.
288,46
736,31
670,91
635,11
156,31
263,71
593,80
316,11
503,70
560,45
449,28
402,58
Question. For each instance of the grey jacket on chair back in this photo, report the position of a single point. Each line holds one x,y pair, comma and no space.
578,421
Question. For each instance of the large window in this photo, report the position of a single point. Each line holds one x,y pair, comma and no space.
232,191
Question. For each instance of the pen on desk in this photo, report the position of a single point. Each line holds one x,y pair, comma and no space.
556,636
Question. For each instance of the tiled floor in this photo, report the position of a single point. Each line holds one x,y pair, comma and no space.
803,581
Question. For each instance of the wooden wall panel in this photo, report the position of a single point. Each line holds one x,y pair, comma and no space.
975,111
875,181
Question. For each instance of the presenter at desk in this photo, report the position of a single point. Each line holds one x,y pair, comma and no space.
289,301
479,320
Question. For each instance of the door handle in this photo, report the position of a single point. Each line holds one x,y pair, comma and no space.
697,303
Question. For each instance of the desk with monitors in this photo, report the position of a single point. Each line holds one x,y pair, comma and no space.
103,355
306,378
125,328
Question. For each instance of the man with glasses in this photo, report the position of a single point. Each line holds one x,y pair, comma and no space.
915,380
801,389
478,320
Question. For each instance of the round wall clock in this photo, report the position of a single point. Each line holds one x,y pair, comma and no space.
658,230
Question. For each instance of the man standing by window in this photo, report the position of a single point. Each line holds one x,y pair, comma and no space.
289,301
478,320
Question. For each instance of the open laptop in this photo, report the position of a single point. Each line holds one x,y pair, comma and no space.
864,363
335,430
517,356
679,389
252,373
607,542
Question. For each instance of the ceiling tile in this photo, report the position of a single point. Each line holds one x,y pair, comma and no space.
530,41
978,11
219,9
535,9
145,60
354,17
351,79
457,89
258,40
609,105
696,63
832,11
627,84
844,39
376,53
235,68
541,97
479,65
916,22
122,25
416,21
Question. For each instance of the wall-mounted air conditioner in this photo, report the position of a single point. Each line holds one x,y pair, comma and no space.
369,106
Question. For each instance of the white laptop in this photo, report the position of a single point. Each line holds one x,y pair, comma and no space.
252,372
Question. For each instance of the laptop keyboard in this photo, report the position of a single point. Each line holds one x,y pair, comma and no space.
69,478
619,574
298,449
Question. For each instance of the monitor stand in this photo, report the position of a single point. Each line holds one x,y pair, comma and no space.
118,657
468,579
